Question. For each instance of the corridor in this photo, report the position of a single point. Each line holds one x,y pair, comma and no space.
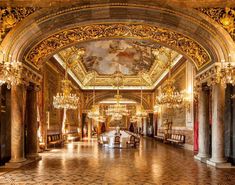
88,163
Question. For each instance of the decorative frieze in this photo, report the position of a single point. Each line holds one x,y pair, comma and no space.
224,16
83,33
9,17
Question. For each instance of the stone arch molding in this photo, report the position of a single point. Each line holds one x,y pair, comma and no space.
130,96
48,31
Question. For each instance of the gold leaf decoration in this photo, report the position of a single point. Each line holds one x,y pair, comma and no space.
9,17
64,38
224,16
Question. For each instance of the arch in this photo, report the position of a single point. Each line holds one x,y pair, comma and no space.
131,96
184,30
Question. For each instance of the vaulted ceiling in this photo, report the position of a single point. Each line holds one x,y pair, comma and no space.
94,63
117,35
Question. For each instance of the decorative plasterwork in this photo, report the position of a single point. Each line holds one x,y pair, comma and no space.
9,17
208,76
134,96
25,75
83,33
224,16
89,79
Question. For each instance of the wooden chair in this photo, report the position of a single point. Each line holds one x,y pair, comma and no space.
137,141
131,143
117,141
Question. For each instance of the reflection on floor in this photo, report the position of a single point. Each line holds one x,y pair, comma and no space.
87,163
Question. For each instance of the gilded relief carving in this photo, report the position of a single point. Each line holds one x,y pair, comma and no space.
223,16
9,17
119,30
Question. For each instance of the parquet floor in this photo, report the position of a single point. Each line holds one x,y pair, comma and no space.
88,163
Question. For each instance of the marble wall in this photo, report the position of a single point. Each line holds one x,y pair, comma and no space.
182,117
230,124
5,125
53,117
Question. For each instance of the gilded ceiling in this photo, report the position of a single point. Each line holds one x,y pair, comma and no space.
116,36
139,61
127,56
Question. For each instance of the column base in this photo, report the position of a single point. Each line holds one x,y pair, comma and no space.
16,164
221,164
202,158
18,160
34,157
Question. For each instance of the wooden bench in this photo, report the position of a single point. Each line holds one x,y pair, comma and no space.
55,140
176,139
71,137
160,136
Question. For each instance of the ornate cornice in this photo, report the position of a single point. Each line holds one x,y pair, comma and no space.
83,33
28,75
10,17
224,16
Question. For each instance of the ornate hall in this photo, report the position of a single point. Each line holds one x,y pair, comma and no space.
117,92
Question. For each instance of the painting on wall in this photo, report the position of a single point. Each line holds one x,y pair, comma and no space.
118,123
72,117
109,56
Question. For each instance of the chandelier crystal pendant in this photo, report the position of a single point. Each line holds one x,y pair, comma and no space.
134,119
10,72
170,97
118,110
65,99
94,113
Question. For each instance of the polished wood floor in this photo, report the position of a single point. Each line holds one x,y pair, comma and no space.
88,163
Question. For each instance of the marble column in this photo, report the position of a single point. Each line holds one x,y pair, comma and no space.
17,123
145,126
32,125
218,102
203,130
89,129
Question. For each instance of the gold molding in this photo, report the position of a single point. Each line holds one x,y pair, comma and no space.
62,39
10,17
224,16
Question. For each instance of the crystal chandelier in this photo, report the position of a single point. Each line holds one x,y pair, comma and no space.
94,113
170,97
10,72
117,110
101,118
65,99
133,119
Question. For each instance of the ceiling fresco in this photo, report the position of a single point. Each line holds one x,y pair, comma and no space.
94,63
127,56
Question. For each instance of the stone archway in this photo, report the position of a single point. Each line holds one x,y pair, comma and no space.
131,96
46,32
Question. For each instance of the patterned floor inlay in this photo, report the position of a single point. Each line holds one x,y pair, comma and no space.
88,163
